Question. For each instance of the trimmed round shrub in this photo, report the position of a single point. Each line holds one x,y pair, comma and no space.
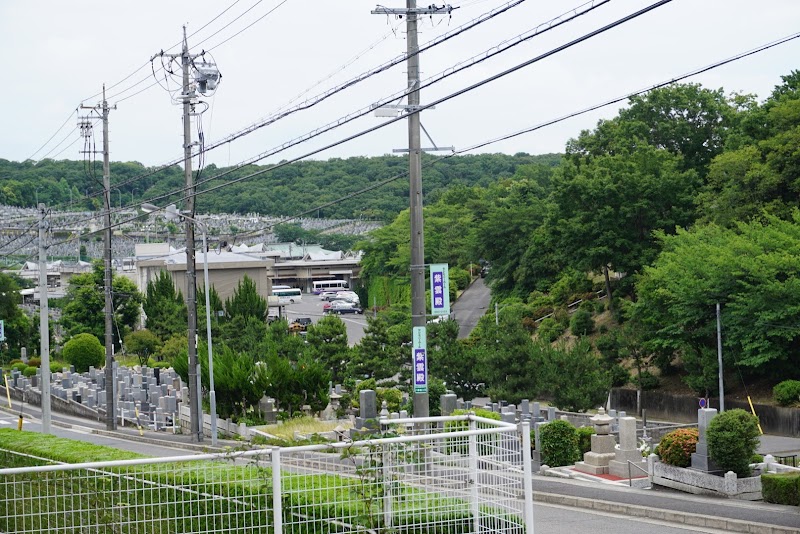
84,351
19,366
35,362
585,434
559,444
781,488
676,448
549,330
787,392
581,323
29,371
733,440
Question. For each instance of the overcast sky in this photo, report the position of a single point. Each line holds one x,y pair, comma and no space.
58,54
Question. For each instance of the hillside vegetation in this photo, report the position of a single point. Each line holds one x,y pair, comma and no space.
284,191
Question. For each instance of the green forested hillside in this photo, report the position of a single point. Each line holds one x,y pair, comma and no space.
287,190
688,198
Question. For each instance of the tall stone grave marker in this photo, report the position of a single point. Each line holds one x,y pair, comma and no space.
700,459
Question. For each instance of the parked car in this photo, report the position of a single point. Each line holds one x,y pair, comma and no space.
342,307
328,295
342,311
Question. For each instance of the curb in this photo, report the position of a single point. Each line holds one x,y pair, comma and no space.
160,442
680,518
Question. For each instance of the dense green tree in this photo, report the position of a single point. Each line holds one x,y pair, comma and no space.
165,308
84,351
246,334
453,361
605,212
573,376
143,343
327,343
246,301
686,120
752,272
370,358
17,325
85,304
759,174
502,360
233,378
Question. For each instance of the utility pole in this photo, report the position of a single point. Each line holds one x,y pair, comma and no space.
418,308
719,359
103,108
44,323
187,96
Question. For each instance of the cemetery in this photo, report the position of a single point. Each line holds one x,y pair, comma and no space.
156,399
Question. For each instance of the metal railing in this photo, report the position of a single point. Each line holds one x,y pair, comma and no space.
444,474
640,468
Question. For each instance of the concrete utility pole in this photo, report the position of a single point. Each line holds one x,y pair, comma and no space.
187,94
44,323
111,419
418,308
719,359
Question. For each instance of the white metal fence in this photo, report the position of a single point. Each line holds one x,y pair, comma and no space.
447,475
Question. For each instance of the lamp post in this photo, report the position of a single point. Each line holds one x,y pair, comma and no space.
171,213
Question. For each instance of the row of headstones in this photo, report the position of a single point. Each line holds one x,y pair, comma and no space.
511,413
151,395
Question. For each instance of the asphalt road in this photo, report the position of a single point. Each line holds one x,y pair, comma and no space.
311,306
471,306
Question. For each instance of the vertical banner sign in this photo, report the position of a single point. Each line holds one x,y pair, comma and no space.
440,289
2,330
420,359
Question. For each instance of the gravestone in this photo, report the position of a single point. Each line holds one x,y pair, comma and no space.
551,413
448,403
700,458
525,410
597,459
627,451
367,421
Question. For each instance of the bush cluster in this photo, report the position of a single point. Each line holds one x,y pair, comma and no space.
647,381
585,434
581,323
559,444
733,440
676,448
781,488
787,392
84,351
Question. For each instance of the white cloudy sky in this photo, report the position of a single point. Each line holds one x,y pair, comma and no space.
57,54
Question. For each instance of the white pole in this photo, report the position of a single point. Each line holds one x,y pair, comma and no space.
212,396
719,359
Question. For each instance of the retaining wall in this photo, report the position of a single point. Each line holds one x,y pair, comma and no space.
683,408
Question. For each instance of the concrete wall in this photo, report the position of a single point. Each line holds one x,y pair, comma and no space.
31,396
683,408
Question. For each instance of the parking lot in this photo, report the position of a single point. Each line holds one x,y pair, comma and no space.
311,306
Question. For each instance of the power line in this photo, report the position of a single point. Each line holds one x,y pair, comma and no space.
327,94
74,111
495,50
482,144
402,116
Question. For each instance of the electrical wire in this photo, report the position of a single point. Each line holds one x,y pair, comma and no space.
455,94
549,25
692,73
247,27
74,111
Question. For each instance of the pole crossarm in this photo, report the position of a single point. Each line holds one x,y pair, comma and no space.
430,10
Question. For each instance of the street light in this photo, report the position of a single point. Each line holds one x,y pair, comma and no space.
171,213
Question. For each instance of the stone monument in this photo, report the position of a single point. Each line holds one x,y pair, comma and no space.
596,461
700,459
627,451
